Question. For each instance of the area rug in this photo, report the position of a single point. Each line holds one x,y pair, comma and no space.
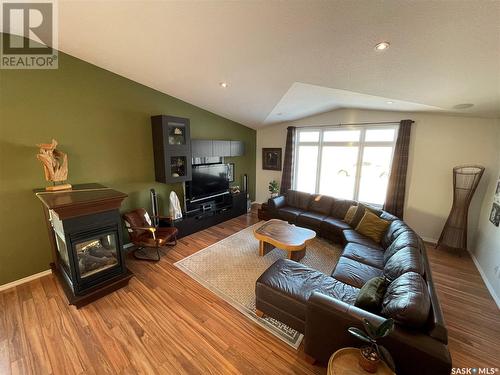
230,268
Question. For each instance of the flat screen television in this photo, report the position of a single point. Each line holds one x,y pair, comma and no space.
207,180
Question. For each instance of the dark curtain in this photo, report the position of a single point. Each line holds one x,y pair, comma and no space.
287,175
395,198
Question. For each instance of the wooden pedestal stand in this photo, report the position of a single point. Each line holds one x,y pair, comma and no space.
58,187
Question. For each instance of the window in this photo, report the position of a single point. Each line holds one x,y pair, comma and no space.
350,163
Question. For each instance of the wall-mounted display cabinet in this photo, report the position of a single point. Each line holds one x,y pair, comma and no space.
172,148
216,148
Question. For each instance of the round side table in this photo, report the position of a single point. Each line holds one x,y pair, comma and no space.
345,362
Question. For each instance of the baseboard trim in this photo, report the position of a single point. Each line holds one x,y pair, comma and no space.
485,280
429,240
26,279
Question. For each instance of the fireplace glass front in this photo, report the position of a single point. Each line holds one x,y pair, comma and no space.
96,254
63,252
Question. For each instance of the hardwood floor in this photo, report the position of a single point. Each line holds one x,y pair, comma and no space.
164,322
472,316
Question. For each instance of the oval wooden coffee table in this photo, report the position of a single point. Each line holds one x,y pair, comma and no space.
288,237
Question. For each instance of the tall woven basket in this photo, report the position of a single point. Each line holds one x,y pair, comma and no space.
465,181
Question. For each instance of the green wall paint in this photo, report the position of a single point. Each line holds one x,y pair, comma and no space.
102,121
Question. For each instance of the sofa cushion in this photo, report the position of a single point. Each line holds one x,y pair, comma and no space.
354,273
372,226
387,216
298,199
350,235
360,212
405,239
321,204
340,207
275,203
407,300
349,215
408,259
331,224
395,228
288,285
364,254
289,213
310,219
371,295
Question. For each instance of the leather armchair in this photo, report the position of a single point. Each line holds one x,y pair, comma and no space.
146,237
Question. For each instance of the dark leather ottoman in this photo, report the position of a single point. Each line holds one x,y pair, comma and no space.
283,290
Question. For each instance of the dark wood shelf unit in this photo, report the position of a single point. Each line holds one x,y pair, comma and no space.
171,148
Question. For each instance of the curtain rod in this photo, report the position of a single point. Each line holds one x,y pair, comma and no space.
348,124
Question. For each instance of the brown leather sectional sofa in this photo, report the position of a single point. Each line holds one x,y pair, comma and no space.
322,306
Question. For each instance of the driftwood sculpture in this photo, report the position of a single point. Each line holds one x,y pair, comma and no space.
55,165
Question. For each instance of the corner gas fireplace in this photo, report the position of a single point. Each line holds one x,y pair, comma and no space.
88,249
85,230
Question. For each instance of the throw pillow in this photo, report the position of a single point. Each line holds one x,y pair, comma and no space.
360,212
371,295
350,214
372,226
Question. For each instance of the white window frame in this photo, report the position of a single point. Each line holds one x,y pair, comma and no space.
361,144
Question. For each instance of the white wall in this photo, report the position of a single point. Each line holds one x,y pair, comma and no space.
486,252
438,143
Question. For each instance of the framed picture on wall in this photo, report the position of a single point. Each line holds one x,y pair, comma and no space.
230,172
271,159
495,209
495,214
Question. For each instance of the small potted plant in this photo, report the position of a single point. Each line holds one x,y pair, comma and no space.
371,354
274,188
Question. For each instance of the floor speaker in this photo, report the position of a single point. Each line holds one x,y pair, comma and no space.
245,183
154,206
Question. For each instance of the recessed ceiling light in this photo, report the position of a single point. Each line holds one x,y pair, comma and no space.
463,106
223,84
382,46
389,102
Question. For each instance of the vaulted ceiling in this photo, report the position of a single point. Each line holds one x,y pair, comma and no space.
288,59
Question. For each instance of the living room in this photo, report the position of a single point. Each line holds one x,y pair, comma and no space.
250,187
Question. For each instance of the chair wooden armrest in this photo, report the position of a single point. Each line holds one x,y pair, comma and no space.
151,229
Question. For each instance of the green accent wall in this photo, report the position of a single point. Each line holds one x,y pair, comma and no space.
102,121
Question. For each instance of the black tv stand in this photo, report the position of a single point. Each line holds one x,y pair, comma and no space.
211,203
223,208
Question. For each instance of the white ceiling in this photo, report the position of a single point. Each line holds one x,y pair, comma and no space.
296,57
303,100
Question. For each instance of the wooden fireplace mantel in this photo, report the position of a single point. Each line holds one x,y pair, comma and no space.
82,199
